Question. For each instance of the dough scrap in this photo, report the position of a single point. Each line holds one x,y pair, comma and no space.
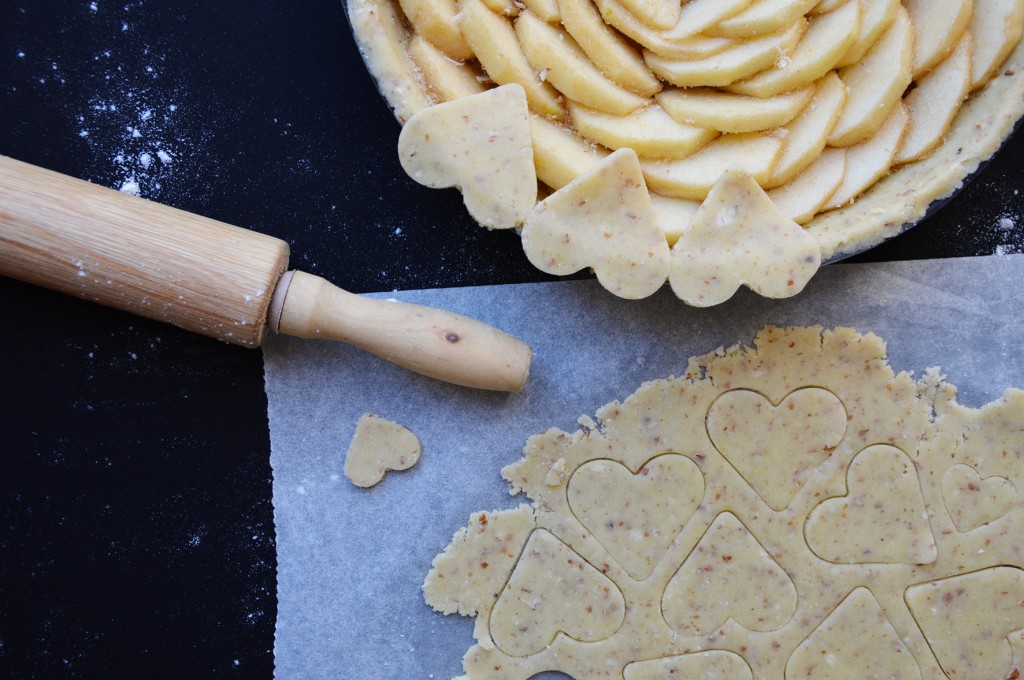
377,446
636,527
729,582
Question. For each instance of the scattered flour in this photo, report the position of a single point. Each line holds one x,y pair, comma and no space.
137,119
1014,243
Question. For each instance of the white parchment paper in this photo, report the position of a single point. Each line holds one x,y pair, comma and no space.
351,561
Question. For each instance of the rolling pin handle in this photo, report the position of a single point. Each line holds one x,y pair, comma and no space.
431,342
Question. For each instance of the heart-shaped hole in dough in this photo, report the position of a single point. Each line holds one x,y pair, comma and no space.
973,501
882,519
968,618
636,516
553,590
777,448
728,576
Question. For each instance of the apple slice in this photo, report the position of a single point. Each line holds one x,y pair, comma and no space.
875,18
741,61
615,14
445,78
868,161
553,51
801,198
675,215
651,132
658,14
435,20
697,16
497,49
826,6
934,102
691,47
609,51
876,83
545,9
937,29
559,154
997,27
692,177
761,17
828,38
730,112
806,136
506,8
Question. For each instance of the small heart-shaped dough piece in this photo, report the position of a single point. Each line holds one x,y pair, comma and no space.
777,448
554,590
603,219
636,517
856,640
882,519
967,620
481,144
973,501
377,446
739,237
728,576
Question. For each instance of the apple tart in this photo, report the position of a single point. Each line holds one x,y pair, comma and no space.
812,129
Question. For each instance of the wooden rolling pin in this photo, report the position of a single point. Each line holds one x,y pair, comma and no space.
223,281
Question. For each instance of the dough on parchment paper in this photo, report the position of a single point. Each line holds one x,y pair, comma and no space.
791,509
377,446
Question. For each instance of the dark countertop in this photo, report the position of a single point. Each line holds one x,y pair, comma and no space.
136,525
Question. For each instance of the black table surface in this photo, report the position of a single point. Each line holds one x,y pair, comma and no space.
136,523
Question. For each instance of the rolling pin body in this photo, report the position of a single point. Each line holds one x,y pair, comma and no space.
137,255
220,280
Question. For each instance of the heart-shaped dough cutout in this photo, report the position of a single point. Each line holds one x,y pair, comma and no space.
967,620
882,519
377,446
552,590
728,576
636,517
481,144
973,501
777,448
739,237
856,640
604,220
